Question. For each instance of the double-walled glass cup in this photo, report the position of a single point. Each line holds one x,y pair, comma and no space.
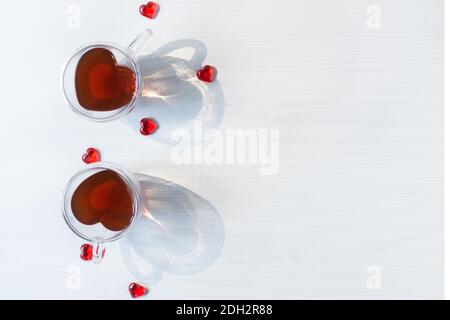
97,234
125,57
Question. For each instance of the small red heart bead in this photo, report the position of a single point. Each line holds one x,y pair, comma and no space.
136,290
149,10
91,155
207,74
148,126
86,252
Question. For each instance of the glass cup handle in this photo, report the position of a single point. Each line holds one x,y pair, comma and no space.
98,252
140,42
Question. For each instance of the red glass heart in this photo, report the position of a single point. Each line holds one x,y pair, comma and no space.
149,10
102,85
86,252
91,155
136,290
207,74
148,126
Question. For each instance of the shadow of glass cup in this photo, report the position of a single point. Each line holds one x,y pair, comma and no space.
179,232
172,94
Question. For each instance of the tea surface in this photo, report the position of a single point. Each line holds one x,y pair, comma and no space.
103,197
101,84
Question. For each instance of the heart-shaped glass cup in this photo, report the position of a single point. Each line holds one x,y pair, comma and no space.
97,233
125,59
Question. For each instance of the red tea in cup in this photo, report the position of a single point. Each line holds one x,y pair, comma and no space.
104,198
101,84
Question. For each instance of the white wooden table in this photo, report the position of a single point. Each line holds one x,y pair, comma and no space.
355,89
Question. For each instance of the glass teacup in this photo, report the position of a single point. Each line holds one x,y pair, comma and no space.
98,199
125,57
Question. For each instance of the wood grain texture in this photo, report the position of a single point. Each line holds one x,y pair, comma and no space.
360,114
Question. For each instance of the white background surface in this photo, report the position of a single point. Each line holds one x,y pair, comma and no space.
360,114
